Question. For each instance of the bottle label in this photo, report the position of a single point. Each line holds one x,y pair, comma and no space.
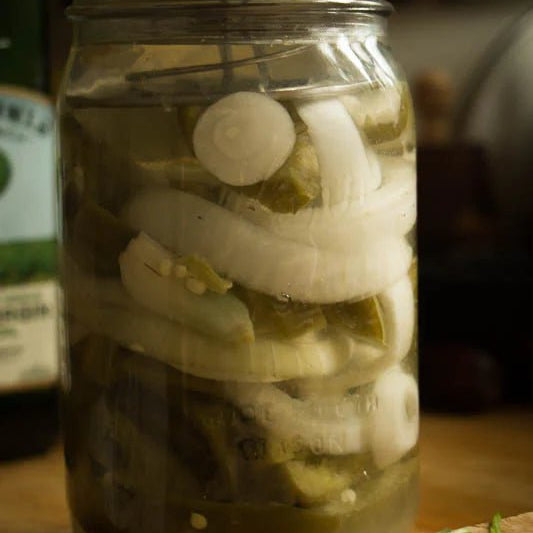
28,288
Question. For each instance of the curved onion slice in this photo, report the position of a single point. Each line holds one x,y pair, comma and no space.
294,421
148,276
259,260
105,308
345,171
244,138
393,426
398,315
398,311
389,210
375,176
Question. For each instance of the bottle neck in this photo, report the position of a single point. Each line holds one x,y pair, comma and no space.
23,50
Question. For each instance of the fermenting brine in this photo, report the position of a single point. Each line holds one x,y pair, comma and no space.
239,202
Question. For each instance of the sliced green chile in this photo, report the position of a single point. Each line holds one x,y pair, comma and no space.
188,117
383,114
362,318
99,237
200,269
160,378
281,318
184,173
294,185
94,359
128,467
143,462
389,498
104,308
240,448
261,260
389,210
398,313
220,315
101,361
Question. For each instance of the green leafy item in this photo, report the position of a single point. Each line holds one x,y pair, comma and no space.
494,526
30,261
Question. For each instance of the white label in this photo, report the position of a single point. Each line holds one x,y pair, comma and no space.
27,170
28,290
28,334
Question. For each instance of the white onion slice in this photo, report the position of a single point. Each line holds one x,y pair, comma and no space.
104,307
398,315
345,172
398,310
393,427
375,175
244,138
257,259
148,276
294,421
389,210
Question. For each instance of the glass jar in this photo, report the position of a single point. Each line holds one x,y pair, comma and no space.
239,269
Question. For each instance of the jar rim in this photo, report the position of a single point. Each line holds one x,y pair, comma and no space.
81,9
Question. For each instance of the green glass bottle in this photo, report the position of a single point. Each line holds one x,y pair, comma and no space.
28,289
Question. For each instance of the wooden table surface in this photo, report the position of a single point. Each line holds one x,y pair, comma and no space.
472,466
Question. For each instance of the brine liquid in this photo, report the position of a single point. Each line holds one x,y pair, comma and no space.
240,358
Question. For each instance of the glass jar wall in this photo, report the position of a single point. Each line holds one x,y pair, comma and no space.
239,268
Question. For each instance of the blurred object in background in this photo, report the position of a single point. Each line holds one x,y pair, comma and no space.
456,219
434,94
476,272
460,378
28,251
59,38
497,111
456,205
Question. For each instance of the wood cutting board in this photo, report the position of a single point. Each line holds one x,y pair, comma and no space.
522,523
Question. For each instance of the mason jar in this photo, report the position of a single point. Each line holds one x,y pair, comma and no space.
239,269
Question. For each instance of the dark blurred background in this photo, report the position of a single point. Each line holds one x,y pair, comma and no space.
469,64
